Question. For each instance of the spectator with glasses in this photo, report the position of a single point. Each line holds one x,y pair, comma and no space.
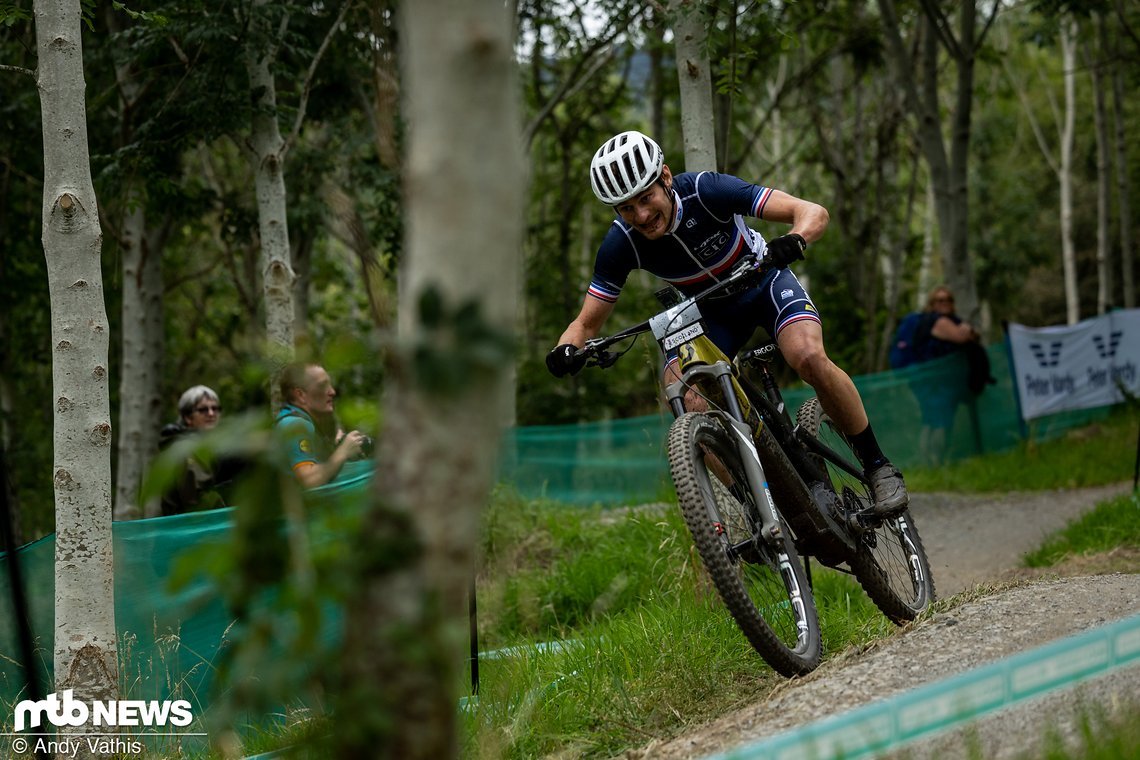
200,408
198,484
941,332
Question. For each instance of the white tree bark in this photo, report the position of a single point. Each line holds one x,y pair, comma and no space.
1062,162
85,654
1103,179
143,346
1065,171
463,202
268,157
143,341
698,126
926,276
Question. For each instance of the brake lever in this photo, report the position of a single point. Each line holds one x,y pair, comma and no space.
605,359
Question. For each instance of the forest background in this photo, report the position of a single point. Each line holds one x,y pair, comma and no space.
983,145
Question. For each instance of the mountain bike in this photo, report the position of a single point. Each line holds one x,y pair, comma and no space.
762,493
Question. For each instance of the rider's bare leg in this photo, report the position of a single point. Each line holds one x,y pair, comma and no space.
801,343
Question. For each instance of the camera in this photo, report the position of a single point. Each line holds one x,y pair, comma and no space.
366,445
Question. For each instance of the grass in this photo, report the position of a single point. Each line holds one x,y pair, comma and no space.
652,651
1111,525
1099,454
649,647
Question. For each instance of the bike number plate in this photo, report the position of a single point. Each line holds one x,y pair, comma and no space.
683,336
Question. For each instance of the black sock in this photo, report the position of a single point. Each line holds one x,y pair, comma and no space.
867,449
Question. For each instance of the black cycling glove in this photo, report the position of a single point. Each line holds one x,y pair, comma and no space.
782,251
564,360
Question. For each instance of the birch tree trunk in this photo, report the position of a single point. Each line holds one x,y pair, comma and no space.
926,278
698,125
143,341
407,630
1062,162
1127,278
1100,121
948,164
1068,131
85,654
140,399
267,148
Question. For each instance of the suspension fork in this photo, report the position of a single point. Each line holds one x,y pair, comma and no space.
733,418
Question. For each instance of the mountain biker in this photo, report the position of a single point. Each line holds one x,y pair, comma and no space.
688,229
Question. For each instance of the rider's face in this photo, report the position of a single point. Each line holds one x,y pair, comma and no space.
651,212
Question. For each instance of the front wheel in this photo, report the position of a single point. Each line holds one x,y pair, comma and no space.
889,563
763,584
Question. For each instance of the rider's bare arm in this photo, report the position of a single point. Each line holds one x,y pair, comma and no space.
588,323
808,219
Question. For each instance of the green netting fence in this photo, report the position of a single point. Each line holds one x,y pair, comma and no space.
170,641
923,416
174,638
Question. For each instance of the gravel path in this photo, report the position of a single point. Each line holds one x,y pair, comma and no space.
970,540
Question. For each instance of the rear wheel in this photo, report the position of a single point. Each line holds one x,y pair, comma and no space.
763,584
890,563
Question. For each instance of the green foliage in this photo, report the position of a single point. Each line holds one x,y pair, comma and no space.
286,577
11,13
150,17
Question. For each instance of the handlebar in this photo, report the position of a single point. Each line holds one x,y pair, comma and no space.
595,350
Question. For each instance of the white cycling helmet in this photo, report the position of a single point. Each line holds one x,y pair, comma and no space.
624,166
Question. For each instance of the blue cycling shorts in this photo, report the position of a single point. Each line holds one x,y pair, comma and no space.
778,301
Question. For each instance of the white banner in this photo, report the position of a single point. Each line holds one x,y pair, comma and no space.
1076,367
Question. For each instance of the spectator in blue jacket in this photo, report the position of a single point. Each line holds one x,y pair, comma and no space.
941,332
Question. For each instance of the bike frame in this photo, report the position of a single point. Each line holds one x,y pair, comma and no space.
747,409
696,367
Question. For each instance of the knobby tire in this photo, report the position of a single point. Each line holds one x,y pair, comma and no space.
890,562
764,586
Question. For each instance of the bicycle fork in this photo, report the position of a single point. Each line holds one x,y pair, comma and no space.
721,373
769,524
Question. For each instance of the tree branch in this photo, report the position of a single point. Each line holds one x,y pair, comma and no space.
18,70
306,90
941,25
1123,20
1038,133
583,70
988,25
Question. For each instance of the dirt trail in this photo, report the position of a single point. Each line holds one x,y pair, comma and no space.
970,540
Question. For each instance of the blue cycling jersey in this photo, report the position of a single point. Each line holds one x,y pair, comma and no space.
707,238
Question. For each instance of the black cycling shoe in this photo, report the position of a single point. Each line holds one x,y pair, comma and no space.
889,492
